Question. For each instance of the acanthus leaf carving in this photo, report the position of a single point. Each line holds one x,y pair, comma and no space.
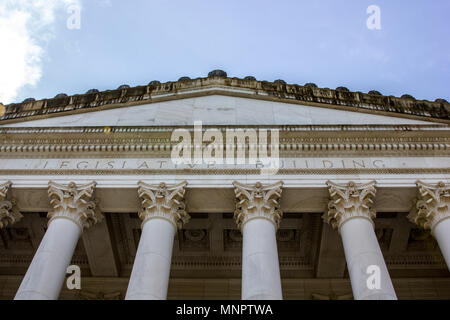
349,201
8,210
75,203
258,201
163,201
432,205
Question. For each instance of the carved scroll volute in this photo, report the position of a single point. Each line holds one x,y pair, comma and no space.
350,201
257,201
165,202
75,203
431,206
9,213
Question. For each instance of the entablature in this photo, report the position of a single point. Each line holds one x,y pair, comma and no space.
294,141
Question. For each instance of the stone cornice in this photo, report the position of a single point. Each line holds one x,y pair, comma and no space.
350,201
257,202
75,203
293,140
8,211
278,91
169,129
432,205
164,202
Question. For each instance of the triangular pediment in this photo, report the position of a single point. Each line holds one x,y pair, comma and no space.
217,109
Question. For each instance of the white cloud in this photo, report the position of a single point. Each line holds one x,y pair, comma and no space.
26,27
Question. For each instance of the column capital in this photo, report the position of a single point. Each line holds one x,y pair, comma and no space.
8,211
165,202
257,201
348,201
75,203
431,206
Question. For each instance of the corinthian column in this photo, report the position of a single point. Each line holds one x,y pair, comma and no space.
163,212
258,216
432,212
8,212
73,210
350,212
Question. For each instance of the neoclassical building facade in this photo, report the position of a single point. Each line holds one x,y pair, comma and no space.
354,205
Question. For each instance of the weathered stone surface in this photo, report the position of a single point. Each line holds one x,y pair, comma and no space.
407,96
439,109
217,73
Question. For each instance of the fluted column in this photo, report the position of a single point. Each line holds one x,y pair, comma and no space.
163,211
8,211
350,212
432,212
73,210
258,216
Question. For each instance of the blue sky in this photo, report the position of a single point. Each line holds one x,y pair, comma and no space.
133,42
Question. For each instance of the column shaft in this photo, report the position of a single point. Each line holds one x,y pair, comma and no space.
151,269
74,210
350,212
46,274
362,251
258,216
432,212
163,211
260,267
442,234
